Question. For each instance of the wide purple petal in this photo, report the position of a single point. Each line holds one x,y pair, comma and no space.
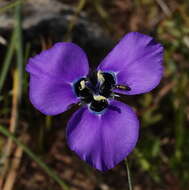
50,96
103,140
137,62
52,74
65,62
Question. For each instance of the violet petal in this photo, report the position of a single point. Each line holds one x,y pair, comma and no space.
52,74
137,61
50,96
103,140
65,62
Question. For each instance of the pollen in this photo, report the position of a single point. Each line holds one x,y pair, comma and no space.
100,77
82,85
98,97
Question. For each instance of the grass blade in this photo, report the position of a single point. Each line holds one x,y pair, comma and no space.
10,5
49,171
7,61
18,45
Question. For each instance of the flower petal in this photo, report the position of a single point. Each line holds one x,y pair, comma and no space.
65,62
50,96
103,140
137,61
52,74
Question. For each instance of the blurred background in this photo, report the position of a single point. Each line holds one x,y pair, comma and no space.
33,150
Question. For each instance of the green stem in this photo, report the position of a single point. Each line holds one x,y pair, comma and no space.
128,174
15,44
18,45
7,61
10,5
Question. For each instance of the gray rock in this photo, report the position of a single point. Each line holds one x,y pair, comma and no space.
50,19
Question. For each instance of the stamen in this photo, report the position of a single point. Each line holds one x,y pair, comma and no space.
100,77
115,95
82,85
122,87
98,97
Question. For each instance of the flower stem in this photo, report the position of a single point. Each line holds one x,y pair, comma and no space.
128,174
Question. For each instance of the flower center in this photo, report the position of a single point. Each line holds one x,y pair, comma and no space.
95,90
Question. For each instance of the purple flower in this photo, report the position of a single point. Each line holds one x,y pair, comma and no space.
103,131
